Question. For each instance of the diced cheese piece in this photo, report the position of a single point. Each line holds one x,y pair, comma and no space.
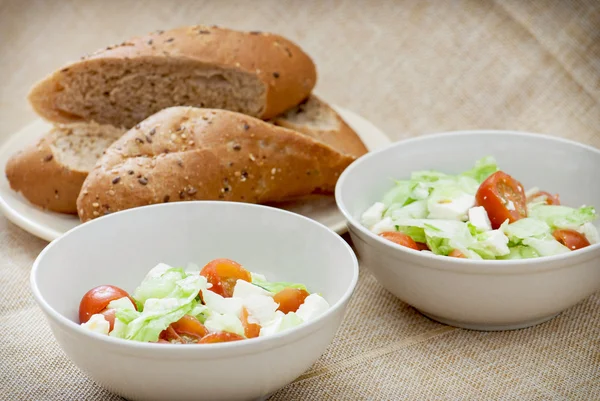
314,306
97,324
479,218
451,209
281,323
373,215
261,308
224,322
384,225
219,304
244,289
496,242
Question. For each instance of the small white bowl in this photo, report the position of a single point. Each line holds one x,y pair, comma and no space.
481,295
119,249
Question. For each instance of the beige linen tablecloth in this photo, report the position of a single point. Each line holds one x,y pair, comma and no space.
411,67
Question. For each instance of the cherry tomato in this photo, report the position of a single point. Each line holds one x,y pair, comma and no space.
223,274
220,337
170,335
290,299
400,239
503,198
251,330
571,239
457,254
189,326
422,246
550,199
95,300
110,314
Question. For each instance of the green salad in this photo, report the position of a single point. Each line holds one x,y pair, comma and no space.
482,213
221,302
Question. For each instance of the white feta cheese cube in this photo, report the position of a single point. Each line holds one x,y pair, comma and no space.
219,304
224,322
281,323
314,306
97,324
479,218
451,209
373,215
496,242
384,225
261,308
244,289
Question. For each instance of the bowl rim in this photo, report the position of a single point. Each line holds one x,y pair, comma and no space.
246,346
458,264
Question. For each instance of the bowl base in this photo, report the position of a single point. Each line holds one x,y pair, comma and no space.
488,327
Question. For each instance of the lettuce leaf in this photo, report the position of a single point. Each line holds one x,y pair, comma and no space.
159,313
159,282
275,287
484,167
563,217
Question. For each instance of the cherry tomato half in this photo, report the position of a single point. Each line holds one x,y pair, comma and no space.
95,300
189,326
503,198
290,299
400,239
550,199
251,330
571,239
457,254
220,337
422,246
169,335
223,274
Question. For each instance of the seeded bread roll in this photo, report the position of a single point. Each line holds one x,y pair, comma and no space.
50,173
317,119
185,153
258,74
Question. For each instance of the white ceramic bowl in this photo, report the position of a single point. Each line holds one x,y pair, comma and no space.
483,295
119,249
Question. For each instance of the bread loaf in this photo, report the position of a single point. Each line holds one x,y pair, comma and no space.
258,74
75,148
317,119
50,173
186,153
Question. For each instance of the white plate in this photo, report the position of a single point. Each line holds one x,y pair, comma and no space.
50,225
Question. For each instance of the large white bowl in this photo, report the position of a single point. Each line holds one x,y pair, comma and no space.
119,249
483,295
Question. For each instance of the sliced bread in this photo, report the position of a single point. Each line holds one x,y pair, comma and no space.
258,74
75,148
50,173
186,153
317,119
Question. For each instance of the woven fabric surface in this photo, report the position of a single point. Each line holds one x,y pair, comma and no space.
412,68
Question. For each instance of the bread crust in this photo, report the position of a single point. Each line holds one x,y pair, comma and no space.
287,73
186,153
